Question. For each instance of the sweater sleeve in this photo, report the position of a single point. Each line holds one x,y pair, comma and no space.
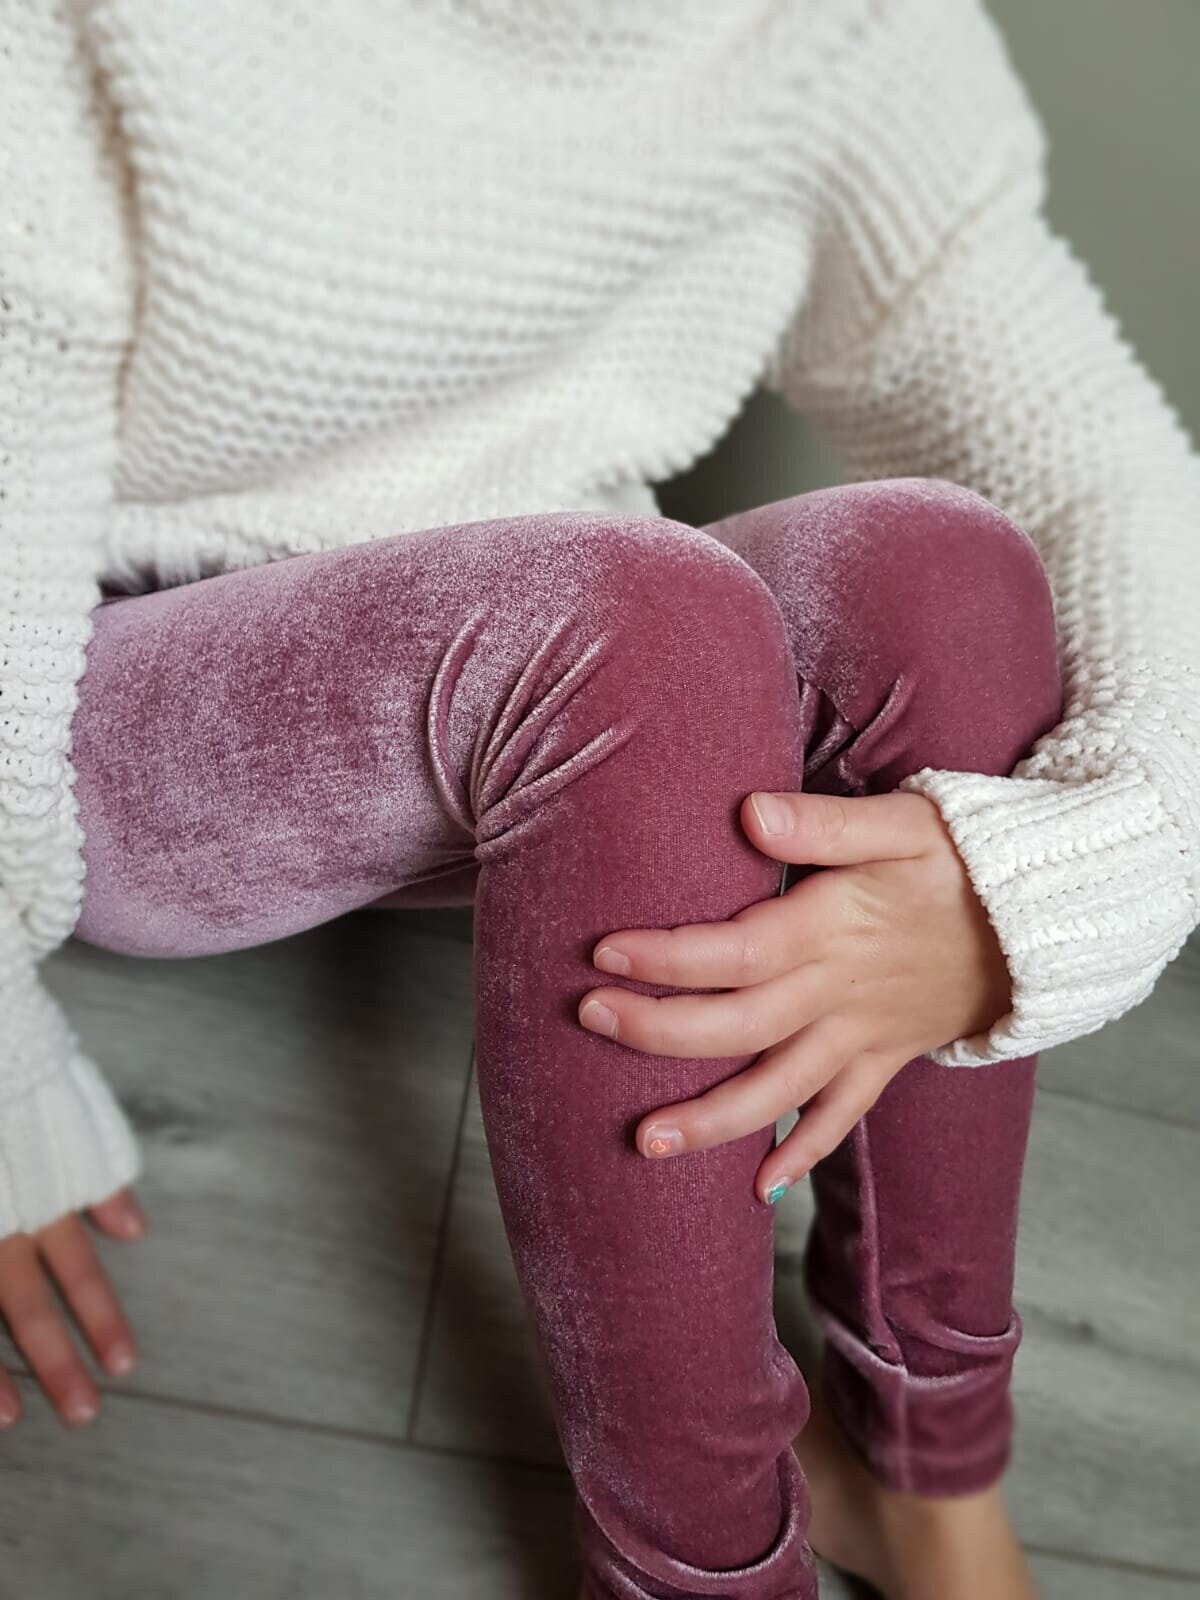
66,294
950,332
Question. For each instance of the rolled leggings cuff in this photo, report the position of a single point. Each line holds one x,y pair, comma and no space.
631,1570
947,1433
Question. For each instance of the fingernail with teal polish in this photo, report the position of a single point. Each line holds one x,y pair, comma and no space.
779,1190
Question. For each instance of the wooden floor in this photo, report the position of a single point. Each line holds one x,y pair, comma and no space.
337,1396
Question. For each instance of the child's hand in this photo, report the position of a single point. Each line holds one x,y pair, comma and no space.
39,1331
839,981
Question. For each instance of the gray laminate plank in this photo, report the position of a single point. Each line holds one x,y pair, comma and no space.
157,1501
1057,1578
299,1106
165,1502
1109,1246
1062,1578
482,1386
1146,1061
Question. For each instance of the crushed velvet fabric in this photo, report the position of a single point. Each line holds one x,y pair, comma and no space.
557,716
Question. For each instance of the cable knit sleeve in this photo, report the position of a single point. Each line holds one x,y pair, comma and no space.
951,333
66,293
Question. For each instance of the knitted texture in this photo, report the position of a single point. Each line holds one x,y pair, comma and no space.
277,278
992,360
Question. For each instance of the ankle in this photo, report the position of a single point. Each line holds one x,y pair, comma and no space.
908,1546
930,1516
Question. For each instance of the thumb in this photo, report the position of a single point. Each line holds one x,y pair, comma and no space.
831,830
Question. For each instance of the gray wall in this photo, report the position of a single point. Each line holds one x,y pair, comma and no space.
1118,86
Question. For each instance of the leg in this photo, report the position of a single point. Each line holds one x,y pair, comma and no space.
922,627
576,706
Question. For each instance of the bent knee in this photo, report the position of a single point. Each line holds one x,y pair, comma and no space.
666,589
924,567
965,571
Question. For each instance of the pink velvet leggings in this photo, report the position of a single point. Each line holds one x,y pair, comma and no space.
557,716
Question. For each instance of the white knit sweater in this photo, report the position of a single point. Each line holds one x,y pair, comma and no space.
276,277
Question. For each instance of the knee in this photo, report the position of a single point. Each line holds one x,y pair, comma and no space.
982,630
967,581
672,599
973,573
921,580
594,633
936,580
973,600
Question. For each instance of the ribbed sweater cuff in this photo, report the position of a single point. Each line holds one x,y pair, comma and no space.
1087,886
64,1144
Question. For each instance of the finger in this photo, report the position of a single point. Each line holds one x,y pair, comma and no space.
765,941
840,830
10,1400
752,1099
829,1116
88,1291
39,1333
120,1216
708,1026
